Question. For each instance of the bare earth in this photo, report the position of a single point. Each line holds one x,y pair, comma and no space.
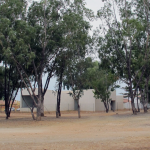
95,130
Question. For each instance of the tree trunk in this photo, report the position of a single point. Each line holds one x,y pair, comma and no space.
145,108
7,110
38,118
106,107
147,95
39,98
137,101
132,100
58,104
42,107
6,94
59,90
79,116
33,113
106,110
133,107
58,100
57,115
143,101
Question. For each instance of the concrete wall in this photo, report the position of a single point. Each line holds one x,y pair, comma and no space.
28,101
50,101
119,102
129,106
99,106
25,92
23,107
113,95
87,101
67,102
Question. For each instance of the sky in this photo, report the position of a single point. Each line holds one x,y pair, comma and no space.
94,5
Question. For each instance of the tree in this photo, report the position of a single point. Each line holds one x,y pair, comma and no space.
39,35
103,82
76,78
125,41
60,68
10,13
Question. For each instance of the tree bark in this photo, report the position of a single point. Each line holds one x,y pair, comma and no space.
137,101
106,107
33,115
132,98
59,88
42,106
38,118
58,99
145,108
79,116
39,98
5,92
133,107
29,106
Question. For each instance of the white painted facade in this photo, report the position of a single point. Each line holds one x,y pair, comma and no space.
87,101
128,105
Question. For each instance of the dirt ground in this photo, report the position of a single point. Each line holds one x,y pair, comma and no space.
94,130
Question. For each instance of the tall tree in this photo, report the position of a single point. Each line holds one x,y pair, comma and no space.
10,13
103,82
76,78
60,68
125,41
50,28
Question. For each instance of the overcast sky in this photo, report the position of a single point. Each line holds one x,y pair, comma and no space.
94,5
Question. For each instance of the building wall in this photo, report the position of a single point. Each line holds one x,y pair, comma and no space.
67,102
99,106
127,105
27,98
113,95
87,101
119,102
50,101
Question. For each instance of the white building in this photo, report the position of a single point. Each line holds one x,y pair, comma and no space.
127,103
87,101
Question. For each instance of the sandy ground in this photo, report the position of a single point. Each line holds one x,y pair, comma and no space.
95,130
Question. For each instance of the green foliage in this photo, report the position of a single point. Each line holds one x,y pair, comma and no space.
76,77
35,38
123,48
102,81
